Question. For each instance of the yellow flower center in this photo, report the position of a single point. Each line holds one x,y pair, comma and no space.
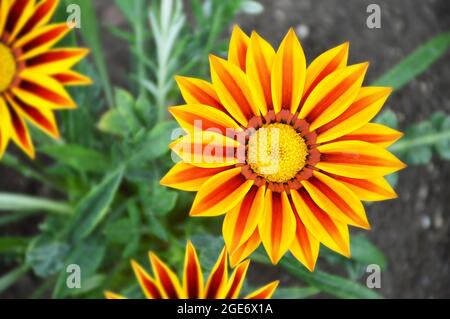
7,67
276,152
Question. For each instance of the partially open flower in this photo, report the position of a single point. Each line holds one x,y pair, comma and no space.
32,74
305,154
165,285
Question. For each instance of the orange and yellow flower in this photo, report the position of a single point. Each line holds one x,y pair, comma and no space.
304,153
32,74
165,283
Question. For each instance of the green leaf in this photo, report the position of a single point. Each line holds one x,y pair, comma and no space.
91,35
415,63
13,245
88,255
125,104
21,203
443,145
388,118
77,157
94,206
120,231
8,279
112,122
162,200
252,7
295,292
47,259
366,253
157,229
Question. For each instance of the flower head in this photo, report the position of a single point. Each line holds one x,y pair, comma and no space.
165,284
32,74
301,153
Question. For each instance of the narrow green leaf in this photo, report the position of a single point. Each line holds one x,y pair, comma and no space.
112,122
13,245
15,202
92,208
11,277
295,292
415,63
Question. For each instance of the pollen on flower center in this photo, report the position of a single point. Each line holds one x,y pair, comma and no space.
7,67
276,152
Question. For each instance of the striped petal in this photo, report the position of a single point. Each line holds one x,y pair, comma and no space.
112,295
237,51
367,104
260,57
374,133
188,177
245,249
196,91
288,74
277,227
149,286
242,220
323,65
43,118
333,95
237,280
41,15
19,14
336,199
36,42
56,60
328,231
168,281
20,134
206,149
374,189
357,159
4,10
5,126
71,78
265,292
304,247
193,276
216,286
233,90
193,117
221,193
40,90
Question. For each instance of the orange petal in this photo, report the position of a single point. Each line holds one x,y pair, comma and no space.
188,177
41,40
233,90
265,292
374,133
336,199
149,286
245,249
242,220
56,60
357,159
216,286
206,149
323,65
374,189
41,15
260,57
366,105
237,51
288,74
112,295
197,91
70,78
221,193
43,118
277,227
193,117
328,231
168,281
333,95
193,276
237,280
304,247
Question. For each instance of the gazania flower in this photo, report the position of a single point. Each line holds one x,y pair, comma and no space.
165,284
32,74
308,157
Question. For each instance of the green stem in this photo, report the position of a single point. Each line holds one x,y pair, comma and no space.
13,202
14,275
419,141
139,44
